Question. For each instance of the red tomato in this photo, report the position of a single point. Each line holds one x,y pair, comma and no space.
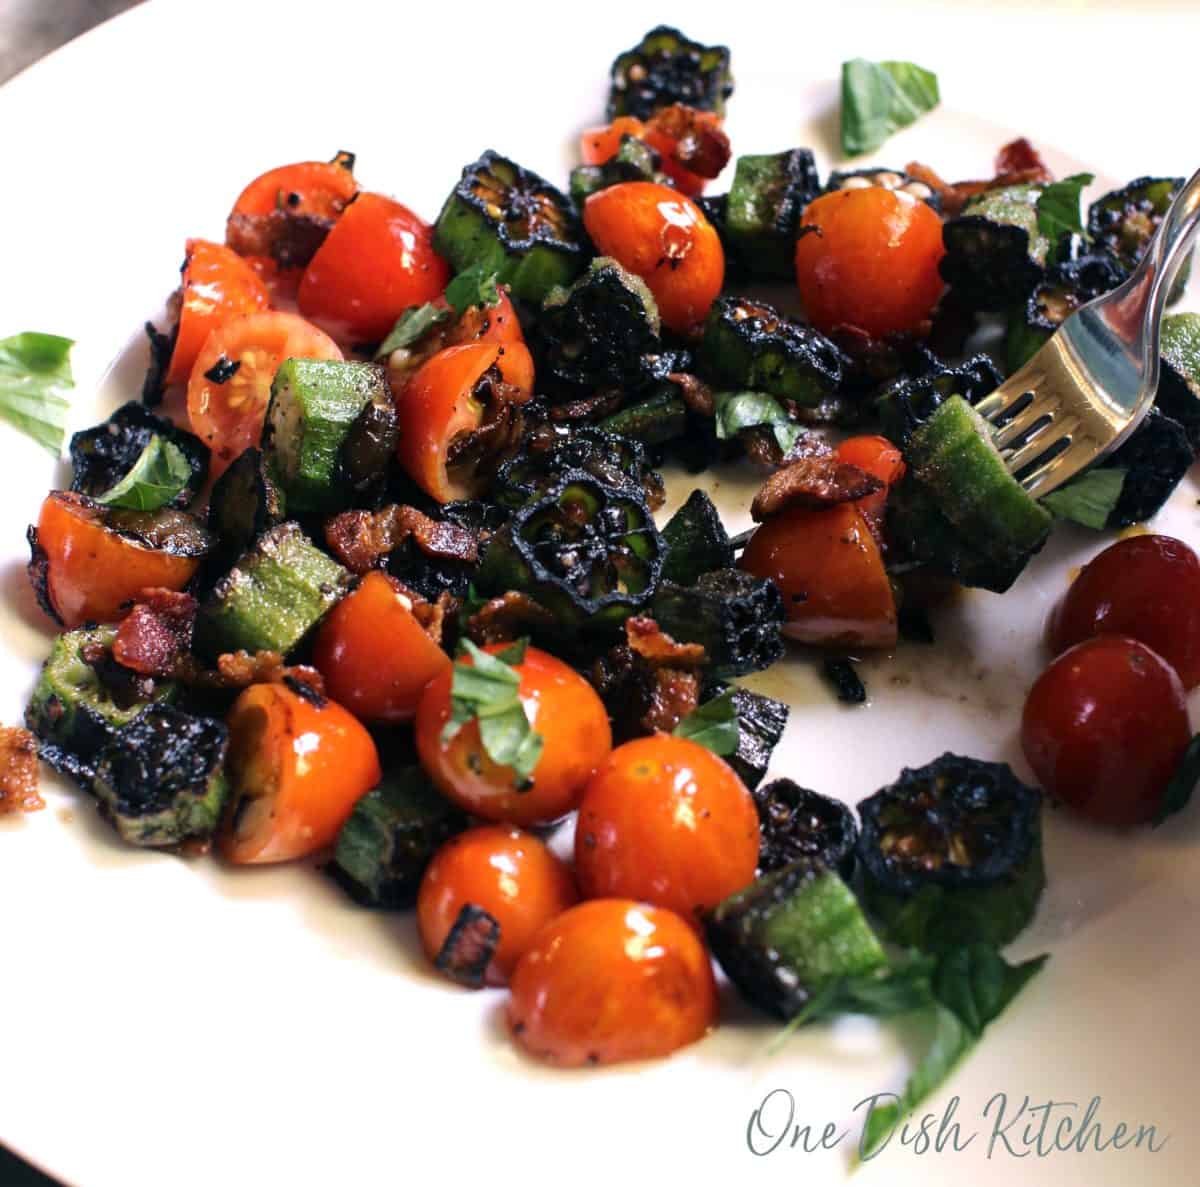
666,132
1146,587
609,981
227,415
830,571
508,873
1105,727
869,258
663,237
217,283
318,189
298,766
666,821
560,704
879,457
376,658
376,262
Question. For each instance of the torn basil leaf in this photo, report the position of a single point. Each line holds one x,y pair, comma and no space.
411,326
1058,209
879,98
159,474
1089,499
35,376
474,286
746,410
713,725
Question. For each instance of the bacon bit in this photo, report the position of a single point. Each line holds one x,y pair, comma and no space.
700,143
18,772
763,449
506,618
291,240
361,539
675,695
1017,163
592,408
649,642
1019,156
432,615
697,395
815,483
156,632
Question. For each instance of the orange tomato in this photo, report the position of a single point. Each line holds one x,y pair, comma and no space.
298,765
319,189
609,981
666,821
879,457
508,873
663,133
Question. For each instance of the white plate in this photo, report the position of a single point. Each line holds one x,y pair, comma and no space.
174,1022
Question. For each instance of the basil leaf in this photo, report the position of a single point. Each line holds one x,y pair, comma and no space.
411,326
714,725
1183,783
879,98
475,286
159,474
1058,206
1089,499
747,410
35,375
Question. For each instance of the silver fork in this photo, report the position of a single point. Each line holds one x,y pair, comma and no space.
1088,388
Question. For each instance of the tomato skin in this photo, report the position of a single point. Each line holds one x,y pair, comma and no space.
872,261
666,821
830,571
609,981
879,457
376,261
375,656
1104,728
1146,587
508,873
217,284
93,572
601,144
321,189
561,705
663,237
297,769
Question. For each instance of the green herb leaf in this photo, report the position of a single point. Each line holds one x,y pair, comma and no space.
1183,783
411,326
35,375
879,98
746,410
714,725
475,286
1090,498
159,474
1058,210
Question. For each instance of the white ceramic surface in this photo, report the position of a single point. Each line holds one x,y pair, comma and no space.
169,1022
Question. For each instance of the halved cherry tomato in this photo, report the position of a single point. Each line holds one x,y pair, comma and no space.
443,403
506,872
375,656
1146,587
878,456
298,765
869,259
228,414
1105,727
92,571
320,189
561,706
830,571
217,283
376,262
612,980
664,238
666,821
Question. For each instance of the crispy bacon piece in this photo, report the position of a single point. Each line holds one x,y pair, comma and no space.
815,483
647,640
697,395
506,618
1017,163
291,240
433,615
361,539
596,407
701,145
240,669
156,633
763,449
1019,156
18,771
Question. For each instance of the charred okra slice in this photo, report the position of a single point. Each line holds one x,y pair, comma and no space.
244,503
275,594
696,541
749,345
908,402
798,823
1124,221
763,208
514,224
162,780
951,853
761,722
657,418
665,67
888,179
789,935
634,160
1155,457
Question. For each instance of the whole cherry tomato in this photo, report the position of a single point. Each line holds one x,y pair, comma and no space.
666,821
560,705
376,261
1146,587
663,237
612,980
298,765
506,872
869,258
879,457
375,656
1105,727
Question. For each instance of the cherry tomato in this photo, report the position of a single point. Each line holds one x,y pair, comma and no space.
560,704
298,765
666,821
217,283
1105,727
443,403
508,873
375,656
830,571
1146,587
92,571
376,262
869,258
609,981
663,237
663,133
318,189
879,457
228,414
598,145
